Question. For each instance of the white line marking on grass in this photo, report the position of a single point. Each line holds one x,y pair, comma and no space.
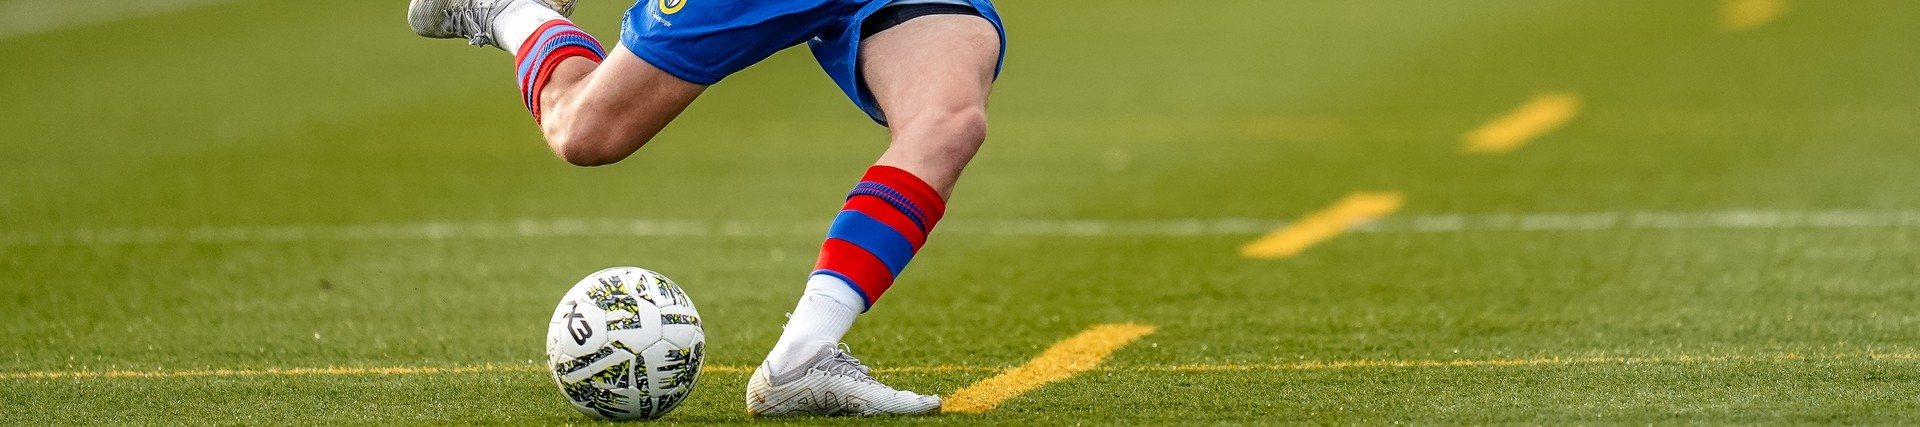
1308,365
28,17
1736,219
1175,227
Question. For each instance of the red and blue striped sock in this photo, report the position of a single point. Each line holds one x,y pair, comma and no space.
554,42
885,221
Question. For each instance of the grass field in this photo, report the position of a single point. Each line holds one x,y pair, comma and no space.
269,213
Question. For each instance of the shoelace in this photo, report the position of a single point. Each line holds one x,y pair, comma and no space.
843,363
465,21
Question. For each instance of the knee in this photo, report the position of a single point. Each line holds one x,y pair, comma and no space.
960,126
583,144
970,124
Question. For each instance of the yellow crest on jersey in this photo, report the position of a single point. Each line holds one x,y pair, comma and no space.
671,6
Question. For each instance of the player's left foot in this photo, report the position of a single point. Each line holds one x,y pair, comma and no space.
468,19
829,384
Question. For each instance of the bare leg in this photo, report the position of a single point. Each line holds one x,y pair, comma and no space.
932,76
597,114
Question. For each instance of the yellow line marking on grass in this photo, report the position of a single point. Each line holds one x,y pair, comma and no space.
1539,116
1320,226
1227,367
1538,361
1743,15
336,371
938,369
278,372
1074,355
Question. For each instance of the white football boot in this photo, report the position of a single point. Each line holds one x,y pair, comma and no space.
831,383
467,19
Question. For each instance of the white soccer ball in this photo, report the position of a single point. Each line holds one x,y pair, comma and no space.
625,344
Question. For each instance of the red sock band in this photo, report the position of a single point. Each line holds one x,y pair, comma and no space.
885,222
549,46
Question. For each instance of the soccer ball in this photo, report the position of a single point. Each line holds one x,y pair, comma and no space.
625,344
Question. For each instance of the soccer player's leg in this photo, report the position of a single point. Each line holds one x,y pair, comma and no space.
590,113
604,113
931,76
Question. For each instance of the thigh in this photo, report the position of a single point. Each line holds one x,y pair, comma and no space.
931,65
625,102
953,46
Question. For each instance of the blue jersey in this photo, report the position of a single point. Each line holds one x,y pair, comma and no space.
704,41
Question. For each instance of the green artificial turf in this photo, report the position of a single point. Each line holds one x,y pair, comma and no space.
254,115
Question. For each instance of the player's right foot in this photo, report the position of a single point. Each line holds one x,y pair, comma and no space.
467,19
831,383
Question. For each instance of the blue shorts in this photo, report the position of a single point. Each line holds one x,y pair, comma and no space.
704,41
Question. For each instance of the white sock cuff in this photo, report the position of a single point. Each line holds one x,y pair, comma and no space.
826,311
518,22
837,290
